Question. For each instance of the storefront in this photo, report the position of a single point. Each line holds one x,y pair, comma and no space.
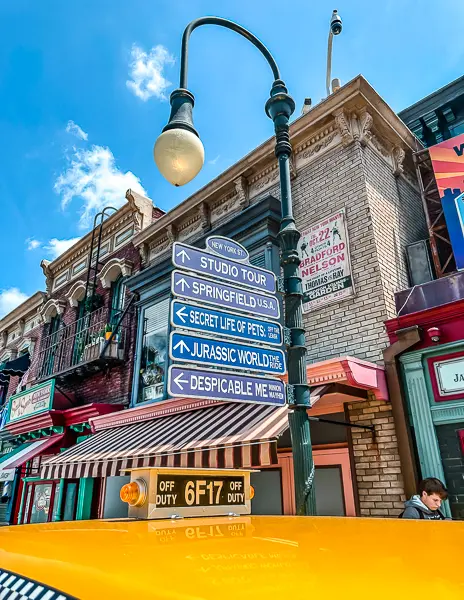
209,434
42,424
433,383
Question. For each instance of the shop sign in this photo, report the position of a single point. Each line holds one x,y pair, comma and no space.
32,401
7,475
450,376
325,267
448,166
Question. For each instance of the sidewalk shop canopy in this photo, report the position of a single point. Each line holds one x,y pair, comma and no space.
27,451
218,436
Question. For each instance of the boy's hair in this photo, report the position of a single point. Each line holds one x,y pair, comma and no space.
432,485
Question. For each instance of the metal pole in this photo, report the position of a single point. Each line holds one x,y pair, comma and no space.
329,63
279,108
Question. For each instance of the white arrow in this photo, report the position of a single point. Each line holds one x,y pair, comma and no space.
180,314
183,254
183,283
182,345
178,381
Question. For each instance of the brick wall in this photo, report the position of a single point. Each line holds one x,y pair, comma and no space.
113,386
377,463
397,220
354,326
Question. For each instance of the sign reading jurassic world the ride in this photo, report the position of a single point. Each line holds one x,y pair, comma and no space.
325,267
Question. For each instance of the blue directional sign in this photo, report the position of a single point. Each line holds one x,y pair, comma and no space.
201,261
220,385
184,347
226,324
222,295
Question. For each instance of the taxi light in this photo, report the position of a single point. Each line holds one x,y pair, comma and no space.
252,492
134,493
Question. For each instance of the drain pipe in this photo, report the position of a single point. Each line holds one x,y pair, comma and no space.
406,338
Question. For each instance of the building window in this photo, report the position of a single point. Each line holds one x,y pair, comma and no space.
118,293
154,358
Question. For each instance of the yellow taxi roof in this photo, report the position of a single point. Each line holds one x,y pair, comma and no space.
241,558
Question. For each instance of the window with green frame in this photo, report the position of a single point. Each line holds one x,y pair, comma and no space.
154,355
118,295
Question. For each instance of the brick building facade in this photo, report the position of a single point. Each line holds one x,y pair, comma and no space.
351,154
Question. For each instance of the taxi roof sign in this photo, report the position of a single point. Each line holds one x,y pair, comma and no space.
175,492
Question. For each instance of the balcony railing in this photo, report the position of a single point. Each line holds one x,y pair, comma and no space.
83,343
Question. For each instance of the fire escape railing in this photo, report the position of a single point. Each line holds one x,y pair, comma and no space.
88,339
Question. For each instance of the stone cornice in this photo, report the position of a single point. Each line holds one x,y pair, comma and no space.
137,209
28,307
258,169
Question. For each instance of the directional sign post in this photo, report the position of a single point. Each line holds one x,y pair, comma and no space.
219,353
239,273
221,385
227,296
189,316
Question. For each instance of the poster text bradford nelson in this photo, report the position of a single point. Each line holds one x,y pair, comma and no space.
325,267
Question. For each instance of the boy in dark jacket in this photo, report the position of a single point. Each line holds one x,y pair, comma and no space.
426,504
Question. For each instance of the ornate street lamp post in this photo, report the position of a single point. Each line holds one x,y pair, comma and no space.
179,155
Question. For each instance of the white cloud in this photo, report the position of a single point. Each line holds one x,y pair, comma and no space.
9,299
147,72
56,247
92,175
33,244
74,129
213,161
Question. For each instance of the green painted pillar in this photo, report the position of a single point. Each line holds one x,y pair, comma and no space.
421,415
84,499
58,514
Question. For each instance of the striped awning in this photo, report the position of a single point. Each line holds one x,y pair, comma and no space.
220,436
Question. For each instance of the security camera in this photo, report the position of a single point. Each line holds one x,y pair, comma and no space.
335,23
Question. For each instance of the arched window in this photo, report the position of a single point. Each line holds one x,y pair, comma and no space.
118,294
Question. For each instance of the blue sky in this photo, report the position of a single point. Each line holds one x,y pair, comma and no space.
84,87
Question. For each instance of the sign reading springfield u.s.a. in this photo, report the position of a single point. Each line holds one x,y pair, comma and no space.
325,267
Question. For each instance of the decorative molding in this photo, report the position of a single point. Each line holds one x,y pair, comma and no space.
144,252
113,268
224,206
205,216
365,122
190,225
398,156
344,125
292,165
263,180
241,189
449,413
158,248
75,293
45,264
171,232
52,308
383,151
314,146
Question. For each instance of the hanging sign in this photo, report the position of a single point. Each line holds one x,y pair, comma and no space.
448,166
202,350
226,296
226,324
32,401
186,382
201,261
325,267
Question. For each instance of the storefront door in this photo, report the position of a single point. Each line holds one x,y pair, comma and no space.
41,502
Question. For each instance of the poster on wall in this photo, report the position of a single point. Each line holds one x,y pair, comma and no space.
325,267
448,166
